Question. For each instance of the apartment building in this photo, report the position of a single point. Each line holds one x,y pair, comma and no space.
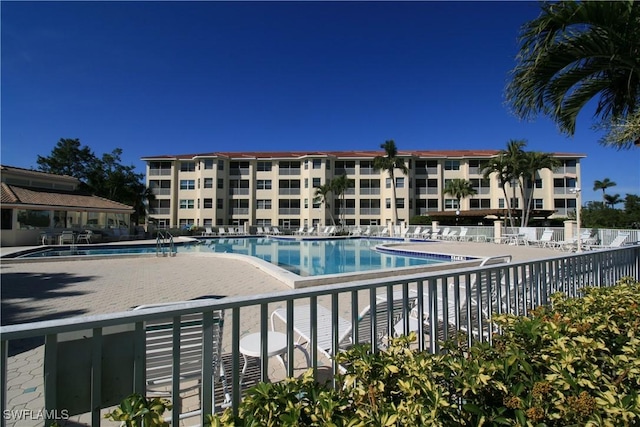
279,188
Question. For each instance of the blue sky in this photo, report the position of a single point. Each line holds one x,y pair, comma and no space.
187,77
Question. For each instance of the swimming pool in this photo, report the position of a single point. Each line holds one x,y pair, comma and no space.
305,258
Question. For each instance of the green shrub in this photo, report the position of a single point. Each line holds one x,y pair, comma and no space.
575,363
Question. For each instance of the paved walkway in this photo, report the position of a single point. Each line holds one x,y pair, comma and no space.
52,290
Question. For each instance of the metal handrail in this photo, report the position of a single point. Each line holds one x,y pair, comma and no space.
161,239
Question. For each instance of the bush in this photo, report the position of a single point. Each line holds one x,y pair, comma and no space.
575,363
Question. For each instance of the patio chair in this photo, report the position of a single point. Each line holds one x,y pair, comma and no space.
443,235
159,353
86,237
463,237
384,232
66,237
302,323
415,232
299,230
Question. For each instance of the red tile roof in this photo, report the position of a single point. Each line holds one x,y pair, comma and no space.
36,197
342,154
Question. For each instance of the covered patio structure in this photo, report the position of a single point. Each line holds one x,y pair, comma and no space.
35,202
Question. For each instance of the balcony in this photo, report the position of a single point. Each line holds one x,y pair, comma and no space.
370,191
238,191
159,172
100,335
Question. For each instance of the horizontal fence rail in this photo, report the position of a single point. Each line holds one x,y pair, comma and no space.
435,305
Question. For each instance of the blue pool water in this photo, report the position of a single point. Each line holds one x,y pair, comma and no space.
305,258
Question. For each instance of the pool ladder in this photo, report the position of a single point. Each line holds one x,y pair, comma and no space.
164,244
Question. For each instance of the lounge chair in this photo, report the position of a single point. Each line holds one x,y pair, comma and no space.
616,243
465,297
443,235
463,237
453,235
345,329
299,230
310,231
367,231
545,241
276,231
259,231
384,232
208,232
415,233
159,350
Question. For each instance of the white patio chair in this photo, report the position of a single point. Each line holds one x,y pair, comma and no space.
159,352
302,323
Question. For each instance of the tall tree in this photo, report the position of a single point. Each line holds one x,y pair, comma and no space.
501,166
603,185
390,162
575,52
339,186
322,196
612,200
69,158
105,177
533,162
459,189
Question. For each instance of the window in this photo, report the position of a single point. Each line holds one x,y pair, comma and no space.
537,204
317,163
387,203
387,183
208,163
220,165
187,166
400,203
452,165
432,204
220,203
559,203
306,203
207,222
480,203
501,203
263,184
451,204
220,183
400,182
306,164
536,184
316,182
263,204
208,183
187,184
207,203
306,183
264,166
186,204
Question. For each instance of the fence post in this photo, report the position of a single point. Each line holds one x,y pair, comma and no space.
497,231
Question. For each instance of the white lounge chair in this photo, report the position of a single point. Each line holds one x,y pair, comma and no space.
443,235
384,232
208,232
545,241
159,352
302,323
415,233
66,237
276,231
299,230
615,243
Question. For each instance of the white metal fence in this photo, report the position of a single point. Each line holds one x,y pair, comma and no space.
109,350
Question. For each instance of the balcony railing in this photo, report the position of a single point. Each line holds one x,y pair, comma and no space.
368,191
159,172
448,296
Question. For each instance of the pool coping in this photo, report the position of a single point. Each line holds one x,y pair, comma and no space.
285,276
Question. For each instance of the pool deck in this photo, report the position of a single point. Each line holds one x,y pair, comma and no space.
52,290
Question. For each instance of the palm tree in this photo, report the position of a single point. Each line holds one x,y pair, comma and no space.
322,196
533,161
339,186
500,165
603,185
390,162
612,200
459,189
573,53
